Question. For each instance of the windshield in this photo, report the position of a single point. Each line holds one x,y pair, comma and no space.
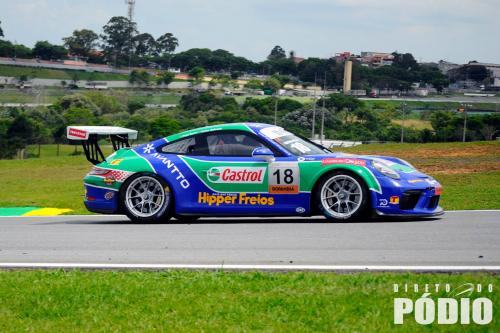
294,144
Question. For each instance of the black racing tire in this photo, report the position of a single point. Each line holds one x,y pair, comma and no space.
160,210
362,207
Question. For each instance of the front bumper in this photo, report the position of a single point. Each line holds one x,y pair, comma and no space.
402,198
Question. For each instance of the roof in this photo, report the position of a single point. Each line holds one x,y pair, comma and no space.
247,127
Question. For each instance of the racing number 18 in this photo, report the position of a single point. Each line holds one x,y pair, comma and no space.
284,178
288,176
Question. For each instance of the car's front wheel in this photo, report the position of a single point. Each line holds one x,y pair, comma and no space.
342,196
146,198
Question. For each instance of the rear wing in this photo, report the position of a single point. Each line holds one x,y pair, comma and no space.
89,137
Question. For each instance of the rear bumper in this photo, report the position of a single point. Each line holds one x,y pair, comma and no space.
101,200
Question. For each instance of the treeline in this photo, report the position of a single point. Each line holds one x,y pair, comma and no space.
345,118
121,44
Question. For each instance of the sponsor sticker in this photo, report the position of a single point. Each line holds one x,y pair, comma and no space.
383,202
116,162
352,161
236,175
77,133
218,199
300,210
394,200
109,195
413,181
148,148
179,176
109,180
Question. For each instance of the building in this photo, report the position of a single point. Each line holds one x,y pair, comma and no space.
494,69
376,59
445,66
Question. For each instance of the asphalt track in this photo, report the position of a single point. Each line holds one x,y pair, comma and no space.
459,240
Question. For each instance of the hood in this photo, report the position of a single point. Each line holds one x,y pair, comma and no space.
396,164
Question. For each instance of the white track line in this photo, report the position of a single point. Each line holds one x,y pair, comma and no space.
247,267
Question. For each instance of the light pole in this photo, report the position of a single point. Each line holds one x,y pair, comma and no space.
403,107
314,108
323,110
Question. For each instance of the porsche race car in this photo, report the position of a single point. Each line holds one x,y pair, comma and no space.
246,169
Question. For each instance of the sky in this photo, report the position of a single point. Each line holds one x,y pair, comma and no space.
451,30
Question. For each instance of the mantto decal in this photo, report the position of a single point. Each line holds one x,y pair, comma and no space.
236,175
352,161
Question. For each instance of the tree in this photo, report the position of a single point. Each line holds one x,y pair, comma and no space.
48,51
277,53
166,78
404,61
81,42
1,31
163,126
117,38
79,116
145,45
272,84
197,73
139,77
22,132
166,43
254,84
135,105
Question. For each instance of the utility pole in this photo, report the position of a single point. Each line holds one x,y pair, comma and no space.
276,109
130,13
464,135
323,110
403,109
314,108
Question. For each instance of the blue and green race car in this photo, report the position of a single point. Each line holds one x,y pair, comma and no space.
246,169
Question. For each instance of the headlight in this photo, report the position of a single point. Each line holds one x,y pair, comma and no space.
385,169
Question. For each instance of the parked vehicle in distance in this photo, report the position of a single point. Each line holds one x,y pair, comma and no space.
246,169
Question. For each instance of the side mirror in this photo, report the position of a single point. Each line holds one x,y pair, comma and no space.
263,153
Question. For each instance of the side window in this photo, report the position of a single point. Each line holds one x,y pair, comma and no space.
184,146
231,144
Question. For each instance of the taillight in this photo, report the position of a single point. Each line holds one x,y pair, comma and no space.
99,171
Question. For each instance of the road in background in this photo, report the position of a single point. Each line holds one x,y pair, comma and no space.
457,238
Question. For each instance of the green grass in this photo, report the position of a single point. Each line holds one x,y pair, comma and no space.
60,74
187,301
469,173
50,95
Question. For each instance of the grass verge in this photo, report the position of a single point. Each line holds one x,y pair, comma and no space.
469,173
186,301
59,74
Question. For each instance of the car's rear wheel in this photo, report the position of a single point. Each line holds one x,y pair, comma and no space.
146,198
342,196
